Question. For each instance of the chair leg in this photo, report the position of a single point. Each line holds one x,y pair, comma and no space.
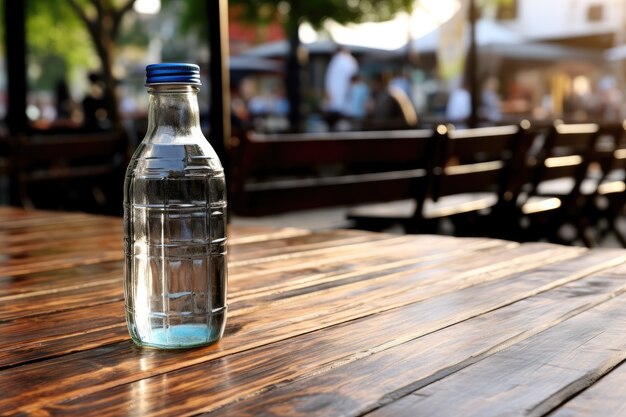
618,233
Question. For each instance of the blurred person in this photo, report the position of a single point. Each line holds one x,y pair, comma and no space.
459,105
391,106
67,114
340,70
489,109
607,101
358,98
268,111
95,115
575,107
239,115
63,100
279,104
237,102
402,81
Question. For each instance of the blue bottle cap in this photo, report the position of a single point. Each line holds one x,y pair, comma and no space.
173,73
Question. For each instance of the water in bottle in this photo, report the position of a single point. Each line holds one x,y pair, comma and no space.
174,218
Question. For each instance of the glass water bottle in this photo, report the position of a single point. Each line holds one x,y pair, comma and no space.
175,221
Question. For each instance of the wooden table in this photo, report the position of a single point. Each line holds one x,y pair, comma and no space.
320,324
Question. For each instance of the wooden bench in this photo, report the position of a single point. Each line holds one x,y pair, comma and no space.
72,171
279,173
504,181
470,172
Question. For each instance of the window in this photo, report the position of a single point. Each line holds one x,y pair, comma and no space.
595,13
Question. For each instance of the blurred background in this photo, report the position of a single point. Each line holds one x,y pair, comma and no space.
72,69
551,59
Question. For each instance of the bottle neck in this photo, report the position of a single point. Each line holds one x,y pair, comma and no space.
173,111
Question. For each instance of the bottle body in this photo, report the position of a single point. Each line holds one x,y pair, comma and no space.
175,233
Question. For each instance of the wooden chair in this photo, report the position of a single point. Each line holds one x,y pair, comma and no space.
607,177
78,171
279,173
470,169
555,193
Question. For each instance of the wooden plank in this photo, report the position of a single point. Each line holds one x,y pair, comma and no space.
18,280
378,376
42,263
322,239
70,295
384,284
69,342
107,288
532,377
36,223
17,224
60,247
68,298
59,325
281,274
344,369
12,287
605,398
420,244
356,244
9,213
55,341
84,373
58,239
427,276
26,271
62,232
238,235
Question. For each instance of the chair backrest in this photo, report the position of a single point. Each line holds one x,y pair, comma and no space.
66,162
281,172
473,160
566,153
279,152
610,149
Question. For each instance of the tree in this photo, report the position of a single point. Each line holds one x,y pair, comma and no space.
57,42
103,19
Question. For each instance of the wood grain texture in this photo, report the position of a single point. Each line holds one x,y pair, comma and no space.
59,329
320,323
606,398
116,365
532,377
370,379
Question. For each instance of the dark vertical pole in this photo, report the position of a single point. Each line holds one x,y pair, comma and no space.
16,121
15,43
293,77
219,76
472,65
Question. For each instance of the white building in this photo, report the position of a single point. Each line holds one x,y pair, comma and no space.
585,23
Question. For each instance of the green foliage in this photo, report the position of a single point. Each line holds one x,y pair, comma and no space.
134,33
494,3
194,16
57,42
317,11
